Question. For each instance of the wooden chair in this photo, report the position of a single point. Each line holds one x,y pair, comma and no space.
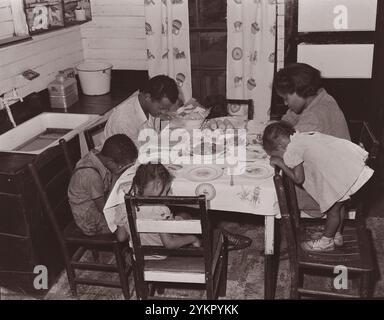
239,105
52,187
90,134
206,266
368,141
355,255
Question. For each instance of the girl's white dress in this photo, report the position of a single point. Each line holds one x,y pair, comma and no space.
334,168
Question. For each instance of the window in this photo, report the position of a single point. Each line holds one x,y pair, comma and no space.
338,38
46,15
12,21
21,18
208,38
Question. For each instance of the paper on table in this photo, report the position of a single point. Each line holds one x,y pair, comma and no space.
120,187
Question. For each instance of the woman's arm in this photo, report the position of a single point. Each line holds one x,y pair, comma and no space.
296,174
174,241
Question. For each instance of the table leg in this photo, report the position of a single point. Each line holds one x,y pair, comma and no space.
269,263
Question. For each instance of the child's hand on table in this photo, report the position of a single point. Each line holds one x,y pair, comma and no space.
276,161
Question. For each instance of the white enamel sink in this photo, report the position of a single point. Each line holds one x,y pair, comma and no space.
44,131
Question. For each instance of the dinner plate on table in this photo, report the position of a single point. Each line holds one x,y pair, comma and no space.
174,168
204,149
258,171
203,173
254,139
256,152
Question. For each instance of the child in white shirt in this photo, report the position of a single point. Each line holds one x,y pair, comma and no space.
330,170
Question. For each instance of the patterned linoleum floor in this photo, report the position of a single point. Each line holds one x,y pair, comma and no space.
245,272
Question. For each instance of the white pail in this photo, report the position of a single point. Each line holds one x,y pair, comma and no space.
95,77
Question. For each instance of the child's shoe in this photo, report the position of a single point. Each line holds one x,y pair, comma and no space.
338,239
320,245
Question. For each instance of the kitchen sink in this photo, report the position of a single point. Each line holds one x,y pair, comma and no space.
43,131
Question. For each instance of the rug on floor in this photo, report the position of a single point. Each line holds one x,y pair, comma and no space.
245,272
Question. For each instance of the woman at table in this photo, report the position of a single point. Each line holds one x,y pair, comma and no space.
310,108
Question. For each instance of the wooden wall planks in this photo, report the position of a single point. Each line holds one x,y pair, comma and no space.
47,54
116,34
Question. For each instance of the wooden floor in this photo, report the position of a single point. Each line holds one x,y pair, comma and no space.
245,272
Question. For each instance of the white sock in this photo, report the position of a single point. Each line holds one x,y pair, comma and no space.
327,239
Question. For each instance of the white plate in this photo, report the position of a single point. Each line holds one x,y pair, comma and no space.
258,171
203,173
208,149
256,152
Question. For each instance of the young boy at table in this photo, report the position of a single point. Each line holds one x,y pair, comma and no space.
93,179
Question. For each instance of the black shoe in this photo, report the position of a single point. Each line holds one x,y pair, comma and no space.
236,241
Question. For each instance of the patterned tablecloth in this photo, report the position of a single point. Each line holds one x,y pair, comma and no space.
252,192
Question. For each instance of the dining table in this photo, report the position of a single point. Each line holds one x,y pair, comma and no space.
246,189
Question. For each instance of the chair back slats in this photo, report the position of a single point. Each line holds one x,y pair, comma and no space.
163,226
216,254
290,224
210,253
67,155
363,135
167,201
291,195
51,174
138,254
48,209
248,102
90,133
185,251
369,142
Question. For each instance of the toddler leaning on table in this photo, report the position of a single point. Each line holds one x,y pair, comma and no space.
153,179
330,170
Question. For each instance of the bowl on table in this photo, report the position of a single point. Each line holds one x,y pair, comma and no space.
224,123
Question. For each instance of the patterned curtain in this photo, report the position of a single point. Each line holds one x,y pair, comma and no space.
167,34
251,52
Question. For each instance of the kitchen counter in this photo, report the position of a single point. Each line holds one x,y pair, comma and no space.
95,104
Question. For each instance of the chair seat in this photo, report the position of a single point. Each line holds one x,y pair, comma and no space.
190,269
72,233
353,254
176,264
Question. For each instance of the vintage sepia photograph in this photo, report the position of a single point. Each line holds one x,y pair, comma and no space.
201,150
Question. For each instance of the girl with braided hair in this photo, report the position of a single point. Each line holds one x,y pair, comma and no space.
153,179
